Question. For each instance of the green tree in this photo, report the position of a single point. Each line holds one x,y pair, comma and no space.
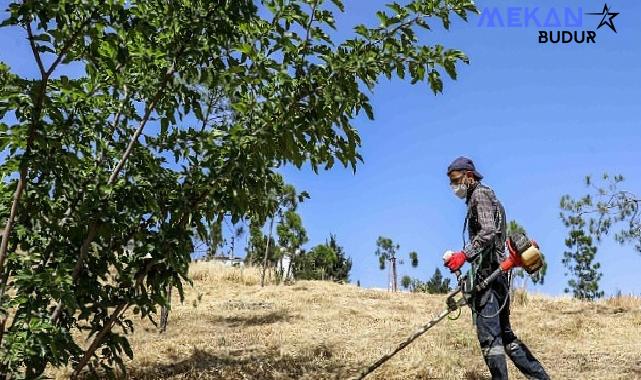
592,217
386,251
291,236
281,199
215,238
323,262
437,284
342,265
413,259
580,256
255,250
290,230
315,264
183,113
406,282
607,207
78,184
236,233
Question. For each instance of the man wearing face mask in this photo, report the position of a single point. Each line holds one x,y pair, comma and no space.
485,222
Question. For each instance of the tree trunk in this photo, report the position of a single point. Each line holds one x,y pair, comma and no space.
289,269
271,227
394,281
3,375
248,248
248,258
164,312
281,270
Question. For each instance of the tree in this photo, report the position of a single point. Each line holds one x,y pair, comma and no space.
590,218
78,185
282,197
290,230
579,260
406,281
435,285
607,206
256,248
315,264
183,113
235,234
413,259
386,251
216,240
291,236
323,262
341,267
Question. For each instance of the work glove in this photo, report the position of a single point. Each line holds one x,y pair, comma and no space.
454,260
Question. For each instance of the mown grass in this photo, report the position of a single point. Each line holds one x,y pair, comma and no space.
230,328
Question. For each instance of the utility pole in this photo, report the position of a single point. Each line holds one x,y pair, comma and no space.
394,281
389,277
386,252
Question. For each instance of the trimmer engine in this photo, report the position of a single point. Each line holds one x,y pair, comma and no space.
523,252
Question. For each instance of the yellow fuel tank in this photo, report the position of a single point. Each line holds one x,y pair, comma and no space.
532,259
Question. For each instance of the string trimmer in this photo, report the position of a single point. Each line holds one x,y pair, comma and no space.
523,253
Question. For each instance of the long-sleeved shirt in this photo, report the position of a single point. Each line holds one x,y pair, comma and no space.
484,222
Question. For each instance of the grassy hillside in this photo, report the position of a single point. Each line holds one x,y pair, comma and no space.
230,328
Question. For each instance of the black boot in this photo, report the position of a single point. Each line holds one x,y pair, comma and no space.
525,361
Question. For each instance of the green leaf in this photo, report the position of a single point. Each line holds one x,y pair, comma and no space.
164,125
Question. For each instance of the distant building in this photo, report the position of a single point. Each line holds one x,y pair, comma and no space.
284,267
228,261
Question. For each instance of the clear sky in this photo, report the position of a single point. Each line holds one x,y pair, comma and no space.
535,118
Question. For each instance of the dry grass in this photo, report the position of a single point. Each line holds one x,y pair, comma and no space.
230,328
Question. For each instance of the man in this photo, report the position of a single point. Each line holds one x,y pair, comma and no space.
486,227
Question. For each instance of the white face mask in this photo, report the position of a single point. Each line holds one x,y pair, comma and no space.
460,190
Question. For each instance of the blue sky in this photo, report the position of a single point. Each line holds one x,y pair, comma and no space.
535,118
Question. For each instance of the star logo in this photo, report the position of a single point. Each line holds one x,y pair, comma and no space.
607,18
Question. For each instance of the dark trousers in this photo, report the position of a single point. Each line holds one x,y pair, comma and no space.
497,338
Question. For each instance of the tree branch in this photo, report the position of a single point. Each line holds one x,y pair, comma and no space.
107,327
93,227
36,116
97,340
138,132
36,53
68,45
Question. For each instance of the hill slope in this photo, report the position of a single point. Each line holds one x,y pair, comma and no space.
230,328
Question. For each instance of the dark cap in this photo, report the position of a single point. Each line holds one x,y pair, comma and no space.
463,164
